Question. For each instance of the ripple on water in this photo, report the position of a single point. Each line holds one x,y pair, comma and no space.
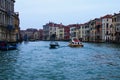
35,61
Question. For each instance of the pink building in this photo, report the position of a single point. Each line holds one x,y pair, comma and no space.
66,33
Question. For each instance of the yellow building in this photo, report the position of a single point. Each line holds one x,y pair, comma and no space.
60,33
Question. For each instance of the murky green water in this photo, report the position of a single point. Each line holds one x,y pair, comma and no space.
35,61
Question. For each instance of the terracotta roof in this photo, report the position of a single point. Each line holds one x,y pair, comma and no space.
107,16
75,25
51,24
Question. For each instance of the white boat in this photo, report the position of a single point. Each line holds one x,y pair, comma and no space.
75,43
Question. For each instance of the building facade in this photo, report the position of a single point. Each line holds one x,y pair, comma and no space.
46,29
74,30
16,31
7,21
66,33
95,30
52,28
60,33
92,30
40,34
116,25
31,34
106,28
86,32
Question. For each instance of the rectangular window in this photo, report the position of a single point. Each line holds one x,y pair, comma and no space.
107,19
107,25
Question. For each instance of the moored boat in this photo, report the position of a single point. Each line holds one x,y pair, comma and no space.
75,43
4,46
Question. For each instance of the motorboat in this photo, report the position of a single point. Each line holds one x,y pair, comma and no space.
75,42
54,44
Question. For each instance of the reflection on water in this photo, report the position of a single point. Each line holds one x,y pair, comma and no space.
35,61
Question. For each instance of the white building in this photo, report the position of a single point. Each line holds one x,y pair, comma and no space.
106,28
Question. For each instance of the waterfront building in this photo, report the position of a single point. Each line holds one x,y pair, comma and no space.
66,33
107,29
98,30
30,34
52,28
36,35
60,32
85,32
46,31
92,30
16,32
40,34
104,29
74,30
116,25
80,32
95,30
7,18
49,29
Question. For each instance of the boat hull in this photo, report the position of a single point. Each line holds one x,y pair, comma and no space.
75,45
54,45
75,42
4,46
8,48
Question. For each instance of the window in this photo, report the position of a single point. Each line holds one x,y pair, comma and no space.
61,30
107,33
107,25
107,19
117,29
115,19
118,18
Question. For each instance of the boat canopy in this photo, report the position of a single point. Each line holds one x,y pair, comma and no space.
75,40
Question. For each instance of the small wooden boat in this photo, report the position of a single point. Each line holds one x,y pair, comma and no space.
75,43
4,46
54,44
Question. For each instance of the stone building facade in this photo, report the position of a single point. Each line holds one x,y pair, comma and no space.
7,21
116,25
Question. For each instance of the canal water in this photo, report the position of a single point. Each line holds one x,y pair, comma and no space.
35,61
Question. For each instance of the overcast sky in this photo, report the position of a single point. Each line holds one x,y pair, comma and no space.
36,13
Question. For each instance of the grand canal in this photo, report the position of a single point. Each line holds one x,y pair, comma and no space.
35,61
